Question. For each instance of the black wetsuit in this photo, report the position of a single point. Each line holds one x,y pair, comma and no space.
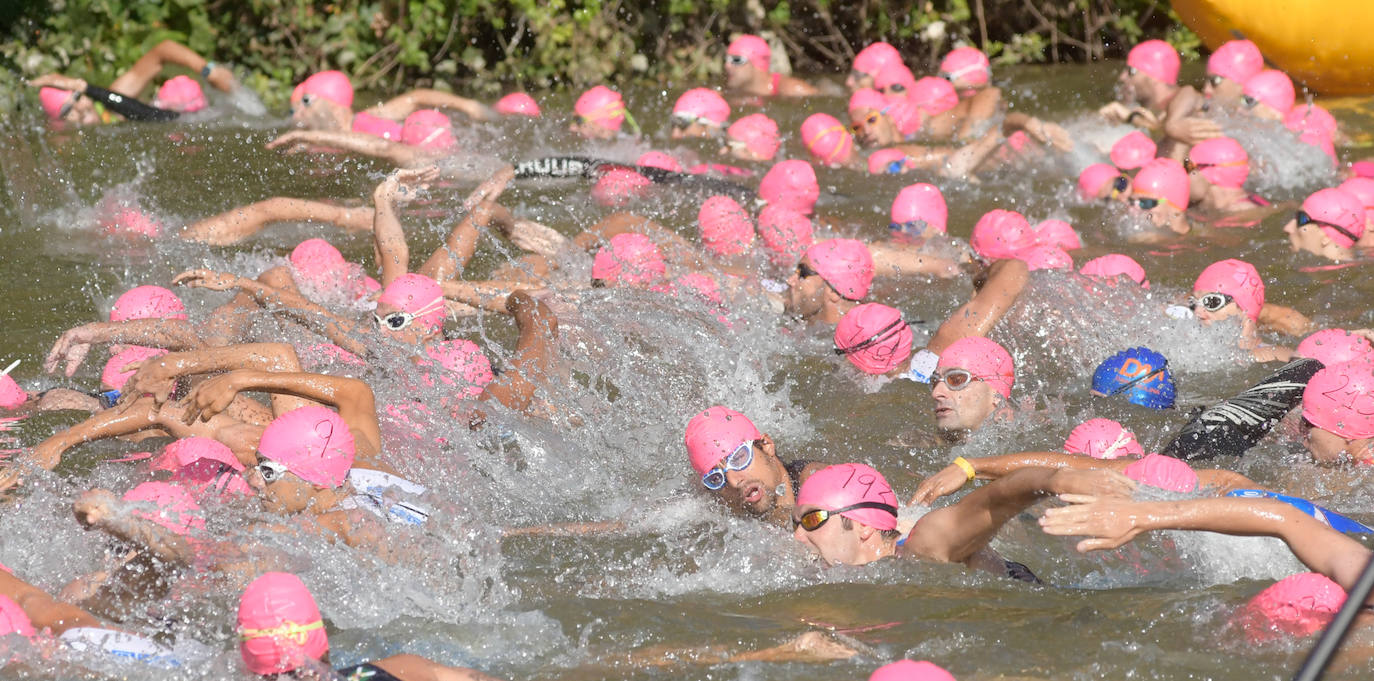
794,470
365,672
1233,426
128,107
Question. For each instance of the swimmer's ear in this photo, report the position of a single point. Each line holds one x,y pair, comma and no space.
767,445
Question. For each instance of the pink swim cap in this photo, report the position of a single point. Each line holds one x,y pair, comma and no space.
1335,346
907,670
317,262
864,100
1095,178
601,106
517,104
128,220
1110,266
54,100
845,264
428,129
791,184
11,395
462,359
1163,179
1236,278
835,487
1057,233
1156,59
147,302
968,64
176,510
870,60
312,442
1000,234
1362,168
113,375
874,338
1296,606
922,202
934,95
1045,257
786,234
188,450
725,226
828,140
1340,399
331,85
753,48
418,295
1133,151
13,619
629,258
1361,188
1236,60
1103,439
758,132
1164,472
701,285
1339,208
895,74
1222,161
181,93
1273,88
377,126
983,358
716,433
1308,118
886,162
279,625
705,104
658,159
618,186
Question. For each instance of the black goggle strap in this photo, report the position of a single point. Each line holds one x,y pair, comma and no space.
882,335
1139,379
1304,219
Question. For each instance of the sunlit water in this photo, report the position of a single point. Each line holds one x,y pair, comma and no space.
683,574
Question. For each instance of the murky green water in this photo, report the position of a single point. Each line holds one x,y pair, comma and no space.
686,575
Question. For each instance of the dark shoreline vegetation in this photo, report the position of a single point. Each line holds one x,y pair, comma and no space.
484,46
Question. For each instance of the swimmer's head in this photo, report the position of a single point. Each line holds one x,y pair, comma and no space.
130,221
1229,67
204,467
464,365
11,395
411,308
13,619
874,338
279,625
1329,224
1000,234
1338,408
619,186
699,112
715,434
1155,59
790,184
1237,281
1103,439
1335,346
920,210
658,159
1220,161
895,81
753,138
785,234
1109,267
972,380
753,49
317,262
735,460
845,264
870,116
701,285
841,510
56,102
1103,181
600,113
1309,119
908,670
428,129
147,302
934,96
1164,472
1057,233
725,226
311,443
180,93
113,376
1269,94
1296,606
1362,188
517,104
1045,257
827,139
1139,374
868,62
1160,189
168,505
966,68
1133,150
629,259
324,101
887,162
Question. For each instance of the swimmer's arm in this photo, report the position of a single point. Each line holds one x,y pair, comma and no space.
356,142
101,425
1006,279
156,376
952,478
535,359
73,345
340,331
796,87
133,81
1222,481
388,238
1285,320
1181,124
239,223
416,668
896,260
100,509
485,295
448,261
982,107
399,107
44,611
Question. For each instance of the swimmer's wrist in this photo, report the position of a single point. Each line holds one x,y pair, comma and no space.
966,467
205,70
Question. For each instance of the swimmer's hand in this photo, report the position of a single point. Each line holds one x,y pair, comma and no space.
153,377
1052,134
1101,483
222,78
62,399
293,142
208,279
210,397
71,347
59,81
93,506
1115,112
491,189
1192,129
404,184
948,481
535,238
1109,523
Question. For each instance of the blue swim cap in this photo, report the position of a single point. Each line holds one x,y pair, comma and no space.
1141,374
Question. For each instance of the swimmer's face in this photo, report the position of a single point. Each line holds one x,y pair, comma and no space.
414,333
287,494
1222,90
858,80
313,112
688,127
1308,237
740,149
1328,447
806,291
1262,110
592,130
967,409
1129,84
1162,214
1231,309
835,544
751,491
875,129
739,75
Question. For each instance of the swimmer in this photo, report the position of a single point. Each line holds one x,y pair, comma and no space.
242,222
1330,224
831,278
740,464
1233,289
971,384
426,136
600,113
970,72
1217,170
1160,192
868,63
1338,413
752,138
1139,374
748,71
872,118
1146,86
699,112
324,102
1228,67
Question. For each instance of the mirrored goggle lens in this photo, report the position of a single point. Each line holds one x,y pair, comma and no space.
1146,203
736,59
812,520
714,479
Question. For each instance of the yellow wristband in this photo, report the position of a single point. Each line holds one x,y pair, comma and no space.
967,467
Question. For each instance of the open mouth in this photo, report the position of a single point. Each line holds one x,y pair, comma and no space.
752,493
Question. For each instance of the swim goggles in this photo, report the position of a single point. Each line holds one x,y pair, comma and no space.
1248,101
1304,219
738,460
955,379
956,74
270,470
910,226
400,319
1211,302
683,120
1215,80
1139,379
870,120
1192,167
894,88
812,520
736,59
1119,185
884,334
1150,202
805,271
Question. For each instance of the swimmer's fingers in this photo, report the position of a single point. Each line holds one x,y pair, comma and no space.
92,507
492,188
292,137
149,380
209,398
207,279
76,354
947,481
10,478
